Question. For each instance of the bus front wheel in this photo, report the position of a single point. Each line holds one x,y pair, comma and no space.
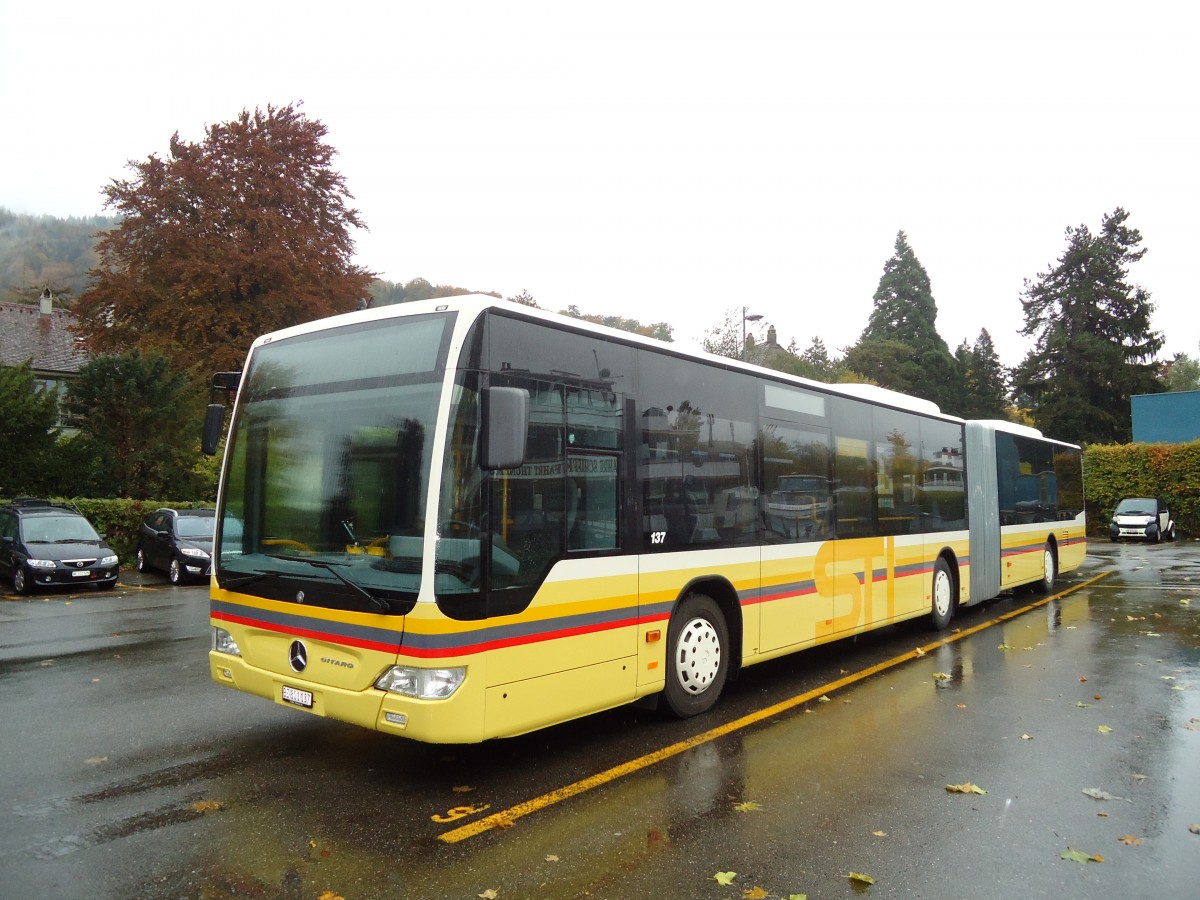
943,596
698,661
1049,569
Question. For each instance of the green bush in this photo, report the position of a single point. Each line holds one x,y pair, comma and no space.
1169,471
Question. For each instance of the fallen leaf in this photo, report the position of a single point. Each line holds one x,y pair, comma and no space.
1104,814
462,789
861,878
965,788
502,821
1083,705
1003,647
1027,737
822,699
747,806
96,760
1080,857
1194,829
1082,679
1103,729
724,877
1139,776
1130,840
95,681
1097,697
489,894
941,676
962,706
919,652
797,896
331,895
754,893
550,857
879,833
206,806
1097,794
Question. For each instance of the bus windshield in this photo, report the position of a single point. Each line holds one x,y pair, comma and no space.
328,466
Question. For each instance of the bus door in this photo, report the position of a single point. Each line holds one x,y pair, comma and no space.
796,520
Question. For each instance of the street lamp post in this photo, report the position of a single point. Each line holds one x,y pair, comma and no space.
747,316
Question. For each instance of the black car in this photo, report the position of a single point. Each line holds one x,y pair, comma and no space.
44,544
178,542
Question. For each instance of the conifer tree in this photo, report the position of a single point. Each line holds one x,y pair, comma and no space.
1094,344
900,348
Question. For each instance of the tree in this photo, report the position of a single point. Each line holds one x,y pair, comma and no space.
984,380
659,330
905,314
244,232
28,438
1183,373
139,425
1094,347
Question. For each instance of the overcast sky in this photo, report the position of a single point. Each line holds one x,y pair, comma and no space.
664,161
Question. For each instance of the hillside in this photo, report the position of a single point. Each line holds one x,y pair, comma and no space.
39,252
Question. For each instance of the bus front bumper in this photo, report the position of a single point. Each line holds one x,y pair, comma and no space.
456,720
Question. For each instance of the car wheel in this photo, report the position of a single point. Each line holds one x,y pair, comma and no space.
1049,569
944,600
175,572
141,560
21,580
698,661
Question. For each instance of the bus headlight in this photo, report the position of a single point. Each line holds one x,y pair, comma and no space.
424,684
223,642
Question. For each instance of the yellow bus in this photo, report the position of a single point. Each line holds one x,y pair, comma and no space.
463,519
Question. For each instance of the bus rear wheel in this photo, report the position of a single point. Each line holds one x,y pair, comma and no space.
698,660
944,599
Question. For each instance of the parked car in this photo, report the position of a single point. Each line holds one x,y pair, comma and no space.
178,542
1142,519
44,544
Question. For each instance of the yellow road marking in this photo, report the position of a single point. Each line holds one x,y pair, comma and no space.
510,815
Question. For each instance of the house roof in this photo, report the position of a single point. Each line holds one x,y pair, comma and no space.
28,333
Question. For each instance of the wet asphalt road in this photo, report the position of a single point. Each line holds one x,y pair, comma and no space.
126,773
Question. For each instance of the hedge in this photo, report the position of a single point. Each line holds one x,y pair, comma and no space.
1170,471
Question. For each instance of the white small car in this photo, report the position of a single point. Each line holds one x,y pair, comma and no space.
1142,519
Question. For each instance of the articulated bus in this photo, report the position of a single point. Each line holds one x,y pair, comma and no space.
463,519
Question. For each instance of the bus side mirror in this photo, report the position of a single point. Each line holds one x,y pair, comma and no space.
505,425
214,418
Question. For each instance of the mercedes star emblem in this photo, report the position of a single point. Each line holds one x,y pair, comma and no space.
298,656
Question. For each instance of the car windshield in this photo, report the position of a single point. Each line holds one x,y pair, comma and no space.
1136,506
328,470
58,529
195,527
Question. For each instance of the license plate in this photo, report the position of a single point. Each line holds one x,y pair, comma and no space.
298,697
84,574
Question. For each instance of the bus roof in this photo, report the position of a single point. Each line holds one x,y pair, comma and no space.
472,305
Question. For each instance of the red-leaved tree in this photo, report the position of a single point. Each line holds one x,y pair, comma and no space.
244,232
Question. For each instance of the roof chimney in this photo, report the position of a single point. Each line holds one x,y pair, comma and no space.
47,302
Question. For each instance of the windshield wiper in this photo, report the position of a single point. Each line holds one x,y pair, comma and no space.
239,580
377,603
